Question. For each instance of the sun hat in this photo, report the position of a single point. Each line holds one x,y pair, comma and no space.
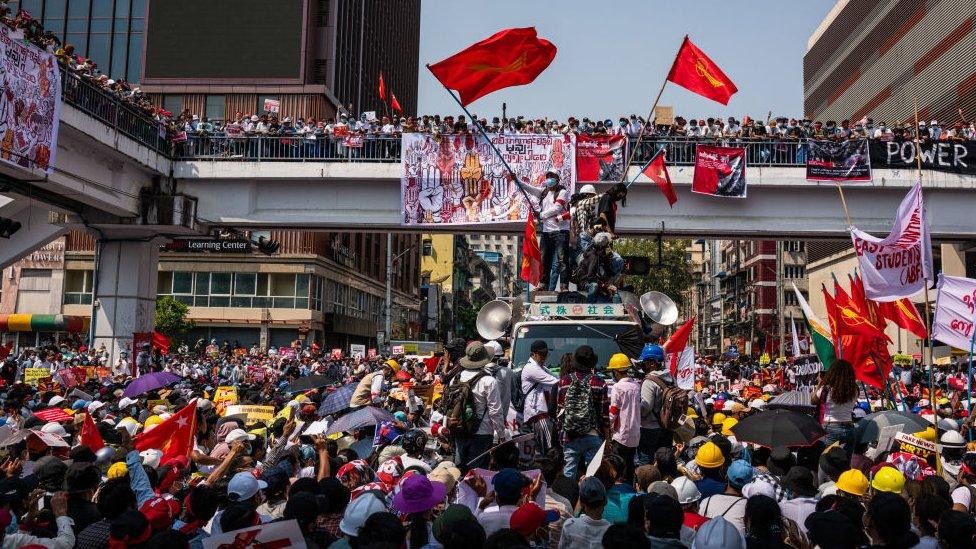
418,494
475,356
358,511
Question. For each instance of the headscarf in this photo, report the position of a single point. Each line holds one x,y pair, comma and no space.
221,450
355,473
389,473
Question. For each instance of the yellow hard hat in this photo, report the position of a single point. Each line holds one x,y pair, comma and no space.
709,456
727,426
117,470
718,418
152,421
928,434
888,479
394,365
853,482
691,413
619,361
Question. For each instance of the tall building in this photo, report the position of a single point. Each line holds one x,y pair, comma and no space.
500,252
875,57
455,281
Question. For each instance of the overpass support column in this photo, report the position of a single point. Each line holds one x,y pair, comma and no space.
125,289
35,230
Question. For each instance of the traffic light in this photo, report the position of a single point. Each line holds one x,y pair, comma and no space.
8,227
636,265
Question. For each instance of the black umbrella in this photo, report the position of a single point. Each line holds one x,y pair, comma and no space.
309,382
798,401
779,428
869,427
631,342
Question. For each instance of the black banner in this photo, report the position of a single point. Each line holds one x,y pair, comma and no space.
944,156
839,161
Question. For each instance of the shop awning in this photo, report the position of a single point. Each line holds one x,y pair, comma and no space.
42,323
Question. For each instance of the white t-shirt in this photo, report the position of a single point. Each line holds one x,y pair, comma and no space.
838,412
731,508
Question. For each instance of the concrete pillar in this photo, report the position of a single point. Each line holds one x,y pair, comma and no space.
125,288
35,231
953,259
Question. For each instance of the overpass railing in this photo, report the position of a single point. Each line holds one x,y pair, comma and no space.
680,152
113,111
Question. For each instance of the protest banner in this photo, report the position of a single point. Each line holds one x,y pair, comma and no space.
806,369
224,396
354,141
31,375
32,84
942,156
910,444
336,354
600,157
838,160
357,350
280,535
487,475
272,105
720,171
397,349
899,264
459,180
955,311
253,412
52,414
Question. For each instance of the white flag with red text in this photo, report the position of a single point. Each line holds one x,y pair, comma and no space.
685,377
955,311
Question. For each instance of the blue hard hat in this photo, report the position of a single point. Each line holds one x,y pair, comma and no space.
652,351
864,406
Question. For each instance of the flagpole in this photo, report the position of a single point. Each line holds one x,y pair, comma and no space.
648,163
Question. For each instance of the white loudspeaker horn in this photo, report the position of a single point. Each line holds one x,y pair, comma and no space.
493,319
659,308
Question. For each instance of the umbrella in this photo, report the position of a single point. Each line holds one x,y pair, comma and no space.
309,382
798,401
631,342
338,400
150,382
779,428
869,428
369,415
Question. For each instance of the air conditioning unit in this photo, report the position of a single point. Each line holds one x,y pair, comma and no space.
179,210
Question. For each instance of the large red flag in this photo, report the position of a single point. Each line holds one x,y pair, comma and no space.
677,343
382,88
90,436
394,104
531,254
161,342
693,70
904,314
174,436
657,171
512,57
852,318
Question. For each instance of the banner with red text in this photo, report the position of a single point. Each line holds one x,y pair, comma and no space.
460,180
685,378
720,171
600,157
955,311
838,160
898,265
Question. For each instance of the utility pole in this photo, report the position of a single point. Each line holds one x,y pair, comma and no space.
779,296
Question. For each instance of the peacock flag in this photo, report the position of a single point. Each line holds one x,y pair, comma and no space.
820,336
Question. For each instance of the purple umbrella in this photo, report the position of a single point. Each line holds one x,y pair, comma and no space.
370,415
150,382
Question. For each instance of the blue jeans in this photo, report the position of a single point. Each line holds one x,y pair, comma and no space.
842,432
579,449
555,252
470,447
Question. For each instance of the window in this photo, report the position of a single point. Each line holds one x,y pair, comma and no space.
794,271
173,103
220,283
215,107
282,284
77,287
182,283
164,283
428,248
245,283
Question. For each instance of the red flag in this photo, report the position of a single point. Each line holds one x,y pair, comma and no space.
394,104
677,343
852,318
694,71
657,171
832,314
382,88
90,436
5,349
868,355
904,314
161,342
511,57
174,436
531,254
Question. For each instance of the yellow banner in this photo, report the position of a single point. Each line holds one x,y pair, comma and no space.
31,375
224,397
253,412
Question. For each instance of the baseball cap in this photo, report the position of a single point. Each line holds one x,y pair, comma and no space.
530,517
238,434
592,491
739,473
245,486
508,483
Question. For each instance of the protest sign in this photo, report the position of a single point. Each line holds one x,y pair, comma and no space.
720,171
459,179
357,350
224,397
31,375
272,105
397,349
838,160
254,413
336,354
943,156
600,157
52,414
280,535
487,475
910,444
685,377
806,369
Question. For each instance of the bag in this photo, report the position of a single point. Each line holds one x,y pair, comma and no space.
457,405
674,404
518,395
579,416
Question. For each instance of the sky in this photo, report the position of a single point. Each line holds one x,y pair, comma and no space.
613,55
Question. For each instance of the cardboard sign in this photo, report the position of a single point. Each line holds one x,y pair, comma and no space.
664,114
904,442
280,535
397,349
224,396
32,375
253,412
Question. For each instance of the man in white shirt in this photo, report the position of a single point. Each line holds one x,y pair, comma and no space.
487,406
537,383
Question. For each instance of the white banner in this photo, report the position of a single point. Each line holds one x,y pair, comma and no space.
30,105
685,378
898,265
955,311
286,534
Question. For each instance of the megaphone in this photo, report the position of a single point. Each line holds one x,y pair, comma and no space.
659,308
493,319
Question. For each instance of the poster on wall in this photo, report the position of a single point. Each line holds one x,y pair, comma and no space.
30,105
459,180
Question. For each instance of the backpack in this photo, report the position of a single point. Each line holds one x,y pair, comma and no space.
579,416
457,405
518,395
673,402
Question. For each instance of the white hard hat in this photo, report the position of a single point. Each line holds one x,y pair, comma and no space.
948,424
587,189
688,493
952,439
54,428
495,348
757,404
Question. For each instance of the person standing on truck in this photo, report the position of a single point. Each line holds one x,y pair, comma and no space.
537,382
554,241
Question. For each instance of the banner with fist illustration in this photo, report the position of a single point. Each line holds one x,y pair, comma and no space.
720,171
459,179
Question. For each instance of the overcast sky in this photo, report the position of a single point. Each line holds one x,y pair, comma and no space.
613,55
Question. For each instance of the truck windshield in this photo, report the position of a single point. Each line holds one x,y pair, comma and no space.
565,338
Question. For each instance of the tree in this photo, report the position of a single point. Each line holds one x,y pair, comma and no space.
171,318
670,274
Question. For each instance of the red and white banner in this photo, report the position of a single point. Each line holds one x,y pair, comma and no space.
720,171
685,378
898,265
600,157
280,535
955,311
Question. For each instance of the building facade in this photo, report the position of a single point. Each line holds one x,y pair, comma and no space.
874,58
455,281
500,252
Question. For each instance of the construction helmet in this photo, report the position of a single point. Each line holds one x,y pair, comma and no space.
393,365
151,422
709,456
718,418
691,413
888,479
953,439
727,426
688,493
853,482
619,361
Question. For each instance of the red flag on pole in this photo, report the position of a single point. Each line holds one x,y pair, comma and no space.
90,436
382,88
904,314
657,171
694,71
394,104
531,254
677,343
511,57
174,436
161,342
852,317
